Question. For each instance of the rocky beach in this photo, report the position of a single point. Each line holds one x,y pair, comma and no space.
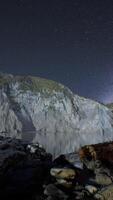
54,145
28,172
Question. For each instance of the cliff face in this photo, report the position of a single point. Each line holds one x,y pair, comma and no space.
36,109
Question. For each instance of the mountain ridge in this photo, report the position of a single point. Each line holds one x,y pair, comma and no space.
42,110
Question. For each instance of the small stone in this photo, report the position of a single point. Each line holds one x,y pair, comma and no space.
79,188
63,173
99,197
32,147
53,191
79,195
91,189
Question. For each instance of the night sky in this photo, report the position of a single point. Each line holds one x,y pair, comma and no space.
70,41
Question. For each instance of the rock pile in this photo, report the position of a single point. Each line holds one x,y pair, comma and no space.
28,172
94,181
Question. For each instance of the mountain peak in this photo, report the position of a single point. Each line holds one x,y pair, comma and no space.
36,109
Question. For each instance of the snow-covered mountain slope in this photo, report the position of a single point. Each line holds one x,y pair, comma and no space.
41,110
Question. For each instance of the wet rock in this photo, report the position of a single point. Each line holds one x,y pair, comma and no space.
78,192
82,193
63,173
91,189
105,193
54,193
64,176
103,179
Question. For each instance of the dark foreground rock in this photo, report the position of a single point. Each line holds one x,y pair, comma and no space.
23,169
27,172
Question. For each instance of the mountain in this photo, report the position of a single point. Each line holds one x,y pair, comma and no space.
36,109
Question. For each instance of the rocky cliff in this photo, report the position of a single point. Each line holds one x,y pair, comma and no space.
36,109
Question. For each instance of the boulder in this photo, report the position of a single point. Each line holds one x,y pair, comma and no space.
105,193
102,152
63,173
91,189
22,171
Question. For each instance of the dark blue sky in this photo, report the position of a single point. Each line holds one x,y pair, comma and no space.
70,41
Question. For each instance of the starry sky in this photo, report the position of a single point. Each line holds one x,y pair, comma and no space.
69,41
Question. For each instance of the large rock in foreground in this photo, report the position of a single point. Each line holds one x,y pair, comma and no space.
23,169
36,109
27,172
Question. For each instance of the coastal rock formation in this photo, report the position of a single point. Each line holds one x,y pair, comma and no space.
35,109
94,181
28,172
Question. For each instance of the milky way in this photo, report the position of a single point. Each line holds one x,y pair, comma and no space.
70,41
